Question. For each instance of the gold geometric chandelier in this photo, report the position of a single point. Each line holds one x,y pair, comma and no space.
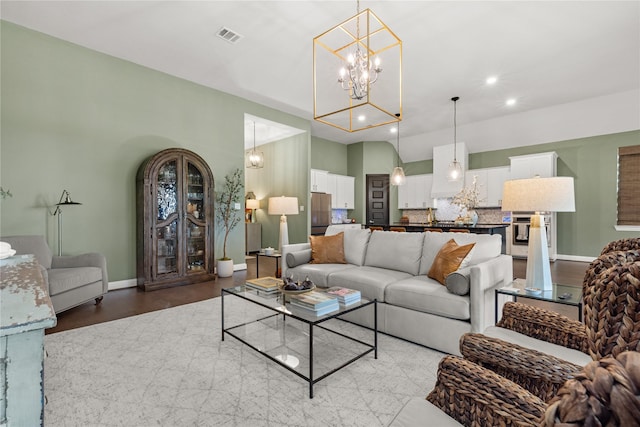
350,90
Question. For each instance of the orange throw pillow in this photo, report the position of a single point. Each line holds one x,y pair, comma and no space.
327,249
448,260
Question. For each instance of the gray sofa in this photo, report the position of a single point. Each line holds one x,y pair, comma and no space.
72,280
392,267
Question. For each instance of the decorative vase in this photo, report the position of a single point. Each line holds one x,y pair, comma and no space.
473,215
225,268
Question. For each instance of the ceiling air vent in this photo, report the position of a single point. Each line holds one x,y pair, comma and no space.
229,35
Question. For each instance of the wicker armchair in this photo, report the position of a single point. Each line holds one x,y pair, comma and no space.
612,325
622,245
605,393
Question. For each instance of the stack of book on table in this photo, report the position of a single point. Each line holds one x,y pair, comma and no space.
317,303
345,296
268,285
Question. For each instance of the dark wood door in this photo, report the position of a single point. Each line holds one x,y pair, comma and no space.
377,199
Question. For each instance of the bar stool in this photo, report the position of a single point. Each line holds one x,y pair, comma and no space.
375,227
398,229
459,230
433,230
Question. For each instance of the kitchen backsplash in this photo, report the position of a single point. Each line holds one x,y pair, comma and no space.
339,216
449,212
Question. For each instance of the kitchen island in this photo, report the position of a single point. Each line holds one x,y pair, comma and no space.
414,227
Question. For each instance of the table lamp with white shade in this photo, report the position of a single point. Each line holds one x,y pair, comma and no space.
538,195
253,204
283,206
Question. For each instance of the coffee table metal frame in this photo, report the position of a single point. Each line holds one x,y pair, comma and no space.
517,290
313,322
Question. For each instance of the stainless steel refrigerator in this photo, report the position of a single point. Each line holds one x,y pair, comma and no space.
320,212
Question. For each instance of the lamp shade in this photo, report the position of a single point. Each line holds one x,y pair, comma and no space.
539,195
283,205
253,204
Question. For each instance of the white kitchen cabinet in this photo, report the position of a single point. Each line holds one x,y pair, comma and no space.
416,192
319,182
543,164
496,178
342,189
490,182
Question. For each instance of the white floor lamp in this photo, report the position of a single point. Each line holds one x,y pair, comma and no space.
538,195
283,206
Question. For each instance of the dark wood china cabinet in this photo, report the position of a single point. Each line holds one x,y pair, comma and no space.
175,220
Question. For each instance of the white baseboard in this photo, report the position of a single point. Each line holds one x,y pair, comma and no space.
132,283
579,258
122,284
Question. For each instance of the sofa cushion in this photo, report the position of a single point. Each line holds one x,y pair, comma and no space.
395,251
298,257
487,246
370,281
459,281
327,249
449,258
355,245
36,245
564,353
317,273
418,412
423,294
65,279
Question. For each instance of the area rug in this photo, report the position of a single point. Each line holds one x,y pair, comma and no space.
170,368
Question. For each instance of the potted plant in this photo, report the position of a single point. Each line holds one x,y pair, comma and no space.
227,217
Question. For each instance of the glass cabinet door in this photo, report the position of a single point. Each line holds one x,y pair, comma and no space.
196,230
166,249
167,223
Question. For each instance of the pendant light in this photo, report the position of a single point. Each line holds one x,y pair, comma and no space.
255,159
454,172
397,177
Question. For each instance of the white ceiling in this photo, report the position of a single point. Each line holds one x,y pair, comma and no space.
544,53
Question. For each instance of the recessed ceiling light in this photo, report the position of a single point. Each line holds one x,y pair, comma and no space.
361,117
491,80
511,102
393,130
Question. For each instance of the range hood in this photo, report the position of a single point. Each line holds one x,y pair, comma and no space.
442,156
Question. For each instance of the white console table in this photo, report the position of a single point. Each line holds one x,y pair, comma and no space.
25,312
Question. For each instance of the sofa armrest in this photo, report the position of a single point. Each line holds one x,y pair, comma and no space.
93,259
291,248
545,325
474,395
539,373
485,278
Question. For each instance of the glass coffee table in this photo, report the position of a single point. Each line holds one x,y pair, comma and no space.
312,347
559,294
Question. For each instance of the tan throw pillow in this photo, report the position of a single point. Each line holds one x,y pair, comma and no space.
448,260
327,249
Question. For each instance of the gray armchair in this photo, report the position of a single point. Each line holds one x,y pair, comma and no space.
72,280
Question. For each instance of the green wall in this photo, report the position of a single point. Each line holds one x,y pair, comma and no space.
79,120
593,164
329,156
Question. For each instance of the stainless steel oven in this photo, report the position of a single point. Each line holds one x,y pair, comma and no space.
519,241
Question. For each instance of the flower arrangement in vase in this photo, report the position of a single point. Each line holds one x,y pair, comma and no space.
468,198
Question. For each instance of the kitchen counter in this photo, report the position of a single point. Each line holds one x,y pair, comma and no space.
413,227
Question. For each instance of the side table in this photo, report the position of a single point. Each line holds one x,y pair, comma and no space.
516,289
25,312
277,255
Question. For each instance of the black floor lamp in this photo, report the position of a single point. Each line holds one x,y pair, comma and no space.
65,200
